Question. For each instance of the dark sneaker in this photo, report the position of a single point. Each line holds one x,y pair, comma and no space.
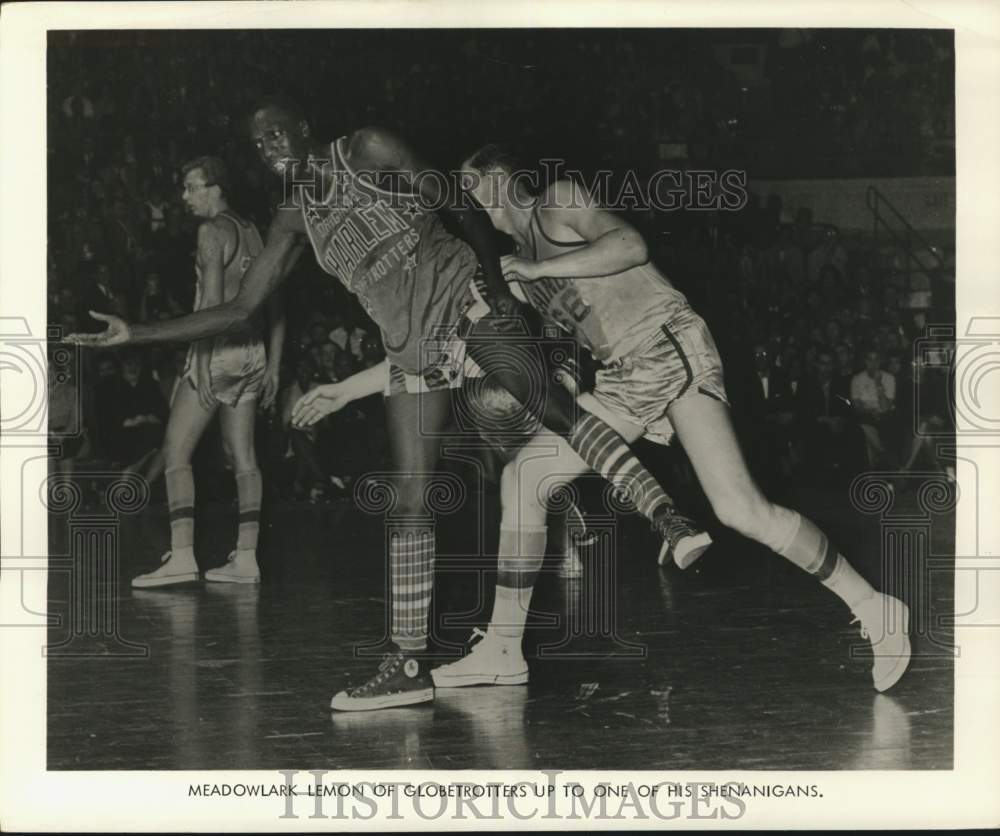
683,541
401,680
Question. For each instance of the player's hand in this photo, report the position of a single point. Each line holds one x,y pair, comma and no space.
117,333
316,405
519,269
270,389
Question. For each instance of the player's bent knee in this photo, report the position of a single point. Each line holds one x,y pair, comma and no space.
745,515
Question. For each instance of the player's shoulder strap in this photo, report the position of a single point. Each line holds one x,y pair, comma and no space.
238,224
536,220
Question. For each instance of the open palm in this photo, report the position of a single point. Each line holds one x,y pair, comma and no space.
117,333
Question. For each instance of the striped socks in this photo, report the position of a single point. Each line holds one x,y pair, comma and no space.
608,454
411,573
798,540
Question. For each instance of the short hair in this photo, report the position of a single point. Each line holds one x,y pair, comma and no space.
495,155
214,170
279,101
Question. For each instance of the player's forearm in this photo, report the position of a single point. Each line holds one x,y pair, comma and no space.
614,252
367,382
276,321
207,322
276,343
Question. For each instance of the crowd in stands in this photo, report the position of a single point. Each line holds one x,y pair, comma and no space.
816,330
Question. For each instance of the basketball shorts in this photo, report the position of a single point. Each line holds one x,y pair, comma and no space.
445,361
678,359
236,369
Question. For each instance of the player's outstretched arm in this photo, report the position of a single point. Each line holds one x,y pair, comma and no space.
332,397
266,273
382,153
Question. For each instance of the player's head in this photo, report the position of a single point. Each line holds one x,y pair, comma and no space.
205,182
498,181
280,131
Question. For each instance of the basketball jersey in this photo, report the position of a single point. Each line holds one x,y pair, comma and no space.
238,357
248,247
609,315
390,250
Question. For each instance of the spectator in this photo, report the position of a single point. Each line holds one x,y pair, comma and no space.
825,420
769,410
354,345
328,353
135,412
310,478
155,303
97,294
873,395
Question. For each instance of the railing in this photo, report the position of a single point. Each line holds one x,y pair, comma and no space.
906,237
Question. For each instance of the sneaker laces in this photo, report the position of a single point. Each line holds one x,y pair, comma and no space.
673,528
476,634
385,669
166,556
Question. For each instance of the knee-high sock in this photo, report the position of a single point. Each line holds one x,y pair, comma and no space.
520,557
411,571
799,540
608,454
180,499
249,488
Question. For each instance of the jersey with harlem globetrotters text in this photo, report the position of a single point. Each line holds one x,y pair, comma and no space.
610,316
412,276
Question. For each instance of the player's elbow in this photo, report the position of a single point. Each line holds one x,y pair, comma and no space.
635,245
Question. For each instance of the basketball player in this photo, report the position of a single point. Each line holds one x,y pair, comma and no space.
367,205
228,374
662,374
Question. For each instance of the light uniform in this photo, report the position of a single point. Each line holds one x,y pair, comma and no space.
238,359
413,277
653,347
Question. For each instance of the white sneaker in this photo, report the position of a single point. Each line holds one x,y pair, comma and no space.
173,570
237,569
496,660
885,622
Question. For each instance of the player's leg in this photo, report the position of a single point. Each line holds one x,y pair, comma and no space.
540,467
237,425
705,430
414,423
517,364
185,426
